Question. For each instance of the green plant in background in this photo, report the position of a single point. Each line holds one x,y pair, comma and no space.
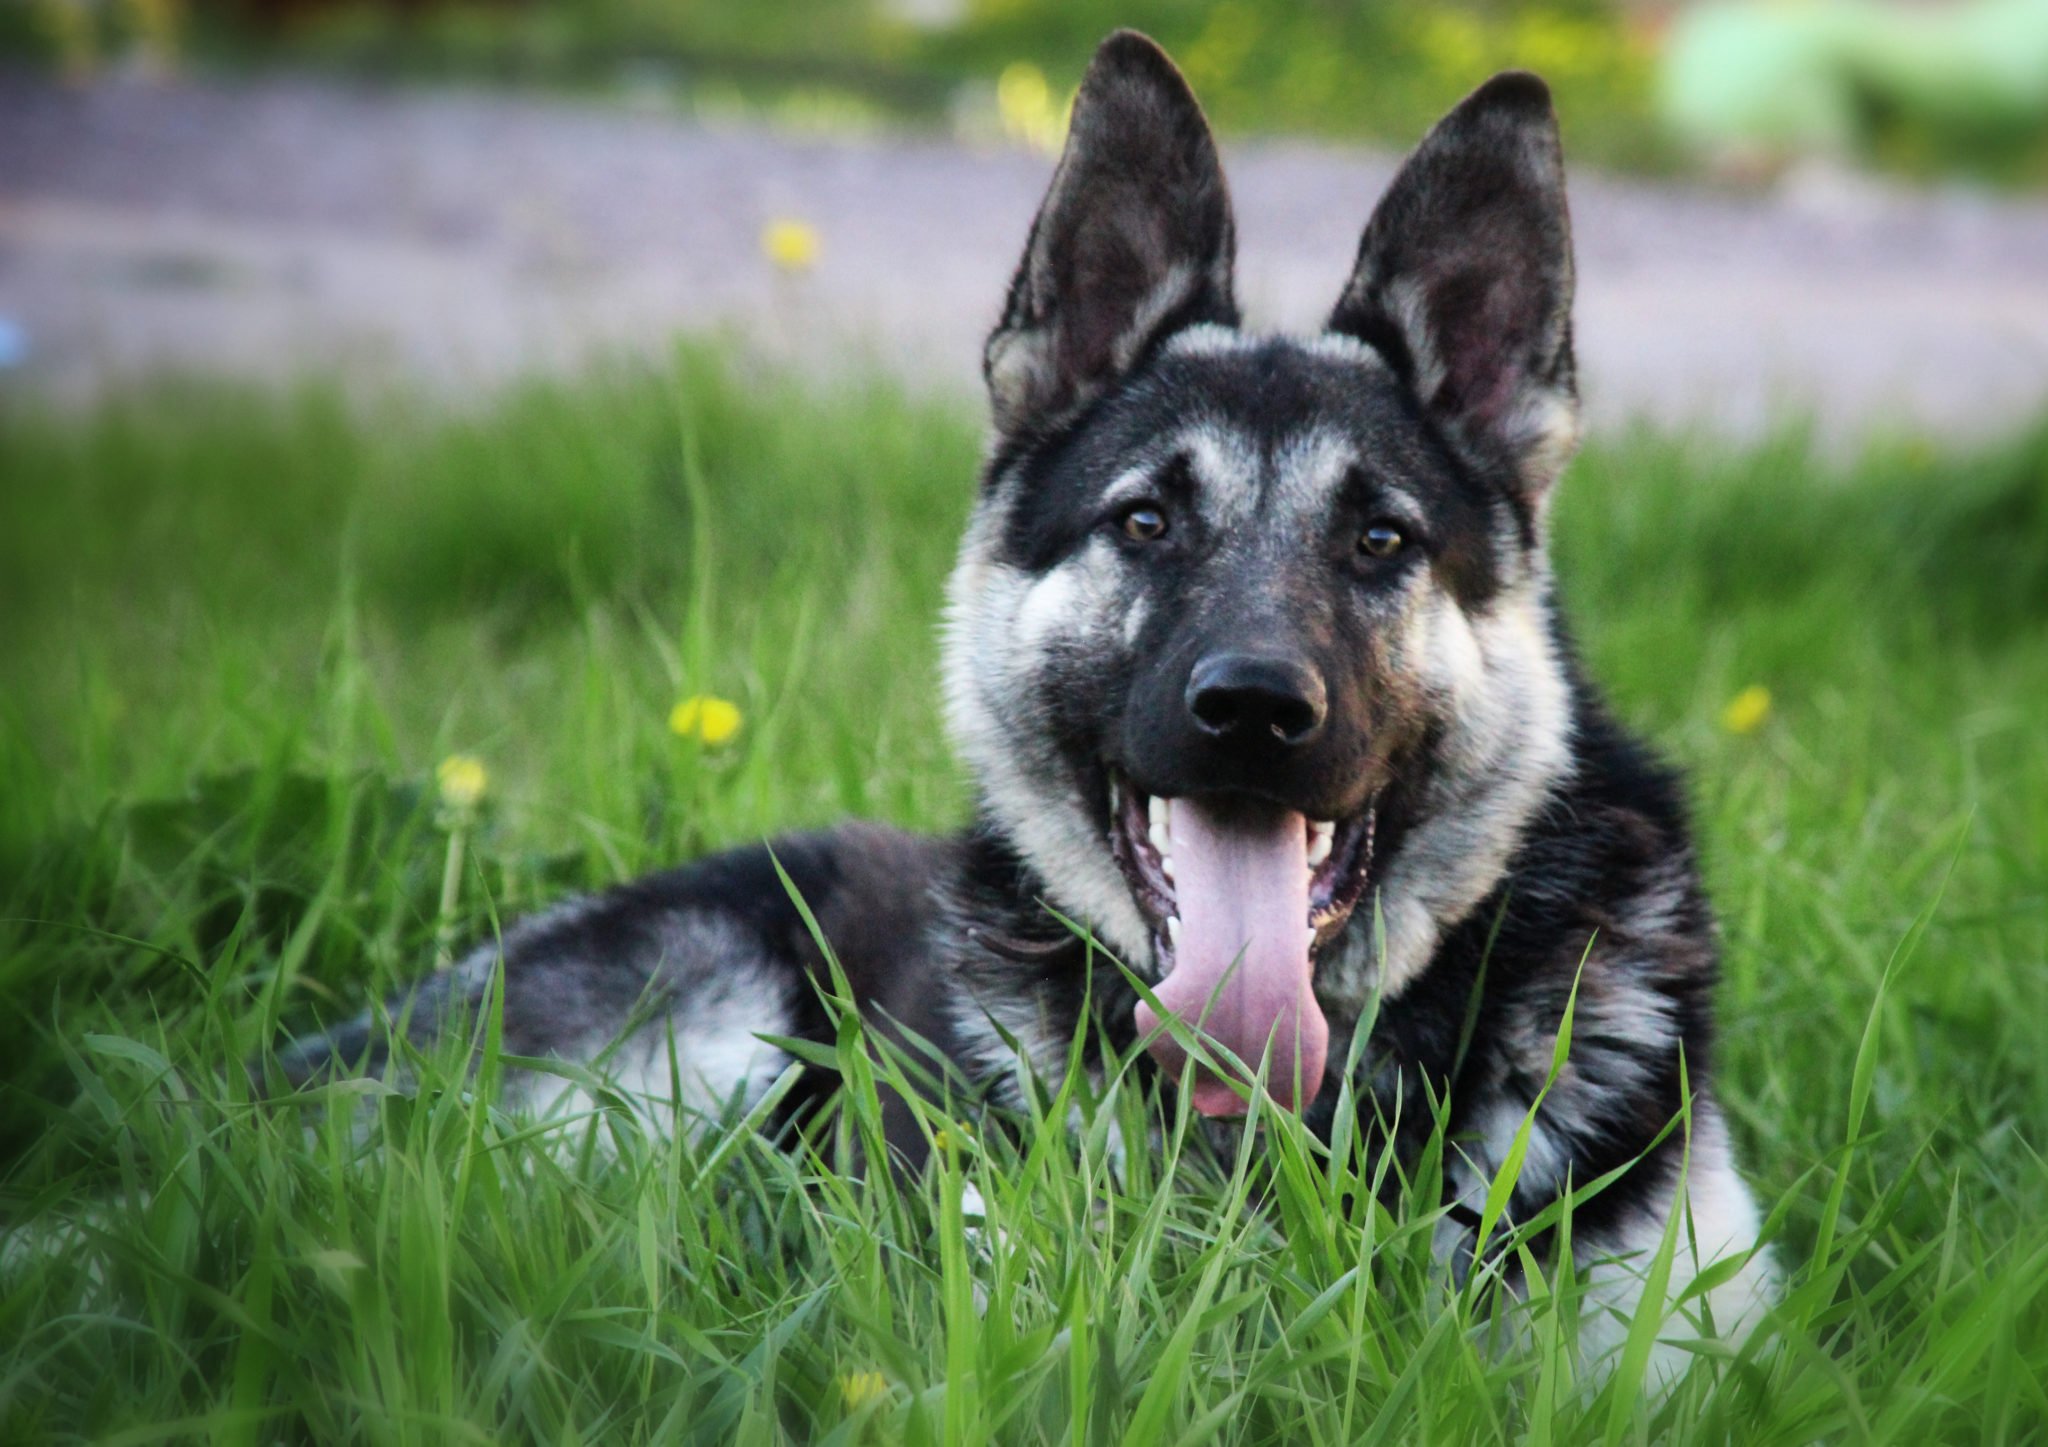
79,35
1918,88
1376,70
245,633
1925,88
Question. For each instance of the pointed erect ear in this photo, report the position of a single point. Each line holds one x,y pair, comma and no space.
1464,282
1134,240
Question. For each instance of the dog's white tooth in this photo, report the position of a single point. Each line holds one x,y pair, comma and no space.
1166,862
1318,848
1161,827
1173,930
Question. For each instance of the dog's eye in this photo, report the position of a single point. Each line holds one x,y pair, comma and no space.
1144,523
1381,540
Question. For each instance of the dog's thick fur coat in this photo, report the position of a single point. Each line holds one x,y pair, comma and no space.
1251,644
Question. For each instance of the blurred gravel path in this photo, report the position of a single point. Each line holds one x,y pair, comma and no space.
289,226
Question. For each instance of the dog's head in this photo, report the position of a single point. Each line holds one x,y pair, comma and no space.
1221,589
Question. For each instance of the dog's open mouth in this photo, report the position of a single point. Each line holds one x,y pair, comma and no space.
1240,895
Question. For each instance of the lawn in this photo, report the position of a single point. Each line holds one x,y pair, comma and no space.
242,630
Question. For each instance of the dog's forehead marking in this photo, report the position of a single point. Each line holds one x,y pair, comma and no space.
1227,465
1212,339
1308,469
1337,347
1281,483
1266,419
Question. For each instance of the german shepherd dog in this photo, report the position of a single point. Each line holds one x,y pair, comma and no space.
1252,650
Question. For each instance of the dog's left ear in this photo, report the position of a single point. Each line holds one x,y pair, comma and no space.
1134,240
1464,282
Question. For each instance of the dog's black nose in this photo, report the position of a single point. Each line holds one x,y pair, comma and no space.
1257,698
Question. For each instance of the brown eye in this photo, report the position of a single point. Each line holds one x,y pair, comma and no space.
1144,523
1381,540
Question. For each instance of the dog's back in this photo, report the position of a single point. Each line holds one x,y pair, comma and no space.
699,961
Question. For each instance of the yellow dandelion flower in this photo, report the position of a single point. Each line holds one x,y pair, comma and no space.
1747,711
705,717
1029,111
857,1389
959,1133
1022,94
792,245
462,779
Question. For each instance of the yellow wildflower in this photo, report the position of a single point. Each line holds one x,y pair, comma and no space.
959,1133
792,245
1022,94
463,779
1747,711
1029,112
857,1389
705,717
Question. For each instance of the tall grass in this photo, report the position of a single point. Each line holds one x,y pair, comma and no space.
241,631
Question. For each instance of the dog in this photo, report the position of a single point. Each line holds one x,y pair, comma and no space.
1253,653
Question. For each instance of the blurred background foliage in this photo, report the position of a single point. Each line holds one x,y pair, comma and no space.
1923,87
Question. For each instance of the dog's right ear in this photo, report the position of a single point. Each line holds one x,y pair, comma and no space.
1133,241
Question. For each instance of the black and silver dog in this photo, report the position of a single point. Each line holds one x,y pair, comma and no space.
1251,641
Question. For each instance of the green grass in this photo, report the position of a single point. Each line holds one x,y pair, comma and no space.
241,631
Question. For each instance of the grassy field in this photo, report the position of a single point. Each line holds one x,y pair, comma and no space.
242,631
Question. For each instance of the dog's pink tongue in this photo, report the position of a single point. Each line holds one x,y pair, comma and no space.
1241,969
